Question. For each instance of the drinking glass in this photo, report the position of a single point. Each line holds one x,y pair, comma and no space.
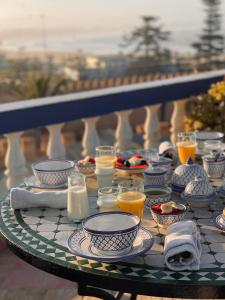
107,199
105,156
186,145
131,197
77,199
211,145
104,165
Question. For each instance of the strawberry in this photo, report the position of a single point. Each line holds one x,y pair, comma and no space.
157,209
91,160
137,155
120,160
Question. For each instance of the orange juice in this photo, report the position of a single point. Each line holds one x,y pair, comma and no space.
105,160
132,202
186,150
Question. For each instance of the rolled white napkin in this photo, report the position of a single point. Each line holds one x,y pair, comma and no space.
21,198
182,249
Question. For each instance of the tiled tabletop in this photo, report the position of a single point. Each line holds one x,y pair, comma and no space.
44,233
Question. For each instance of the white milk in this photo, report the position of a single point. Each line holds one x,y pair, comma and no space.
77,203
104,170
104,176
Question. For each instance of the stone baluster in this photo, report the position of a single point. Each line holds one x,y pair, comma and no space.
90,138
151,126
124,133
55,148
14,160
177,119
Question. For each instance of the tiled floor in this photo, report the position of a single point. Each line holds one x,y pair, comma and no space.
20,281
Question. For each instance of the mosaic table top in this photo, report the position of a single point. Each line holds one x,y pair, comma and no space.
44,233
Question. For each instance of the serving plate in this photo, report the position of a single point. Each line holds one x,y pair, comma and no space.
133,170
80,245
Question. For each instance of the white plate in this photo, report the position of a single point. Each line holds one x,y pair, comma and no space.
209,135
80,245
33,182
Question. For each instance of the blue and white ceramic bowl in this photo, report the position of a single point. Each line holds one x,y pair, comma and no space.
202,136
183,174
111,232
163,162
53,172
199,193
157,194
165,220
155,176
214,169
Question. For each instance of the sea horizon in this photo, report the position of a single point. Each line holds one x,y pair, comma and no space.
107,43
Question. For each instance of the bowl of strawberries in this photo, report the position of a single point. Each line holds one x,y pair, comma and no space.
165,214
86,166
135,163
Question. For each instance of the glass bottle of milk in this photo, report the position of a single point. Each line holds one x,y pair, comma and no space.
77,199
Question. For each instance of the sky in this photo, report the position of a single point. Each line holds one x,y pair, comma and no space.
95,18
99,15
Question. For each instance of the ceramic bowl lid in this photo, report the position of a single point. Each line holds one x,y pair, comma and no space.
155,171
198,187
162,161
183,174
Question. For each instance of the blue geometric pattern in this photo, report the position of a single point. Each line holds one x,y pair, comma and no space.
112,242
214,169
199,187
183,174
54,178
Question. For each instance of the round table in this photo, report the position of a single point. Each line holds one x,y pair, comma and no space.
39,236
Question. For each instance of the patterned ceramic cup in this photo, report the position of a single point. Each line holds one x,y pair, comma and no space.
214,169
53,172
157,195
155,176
111,232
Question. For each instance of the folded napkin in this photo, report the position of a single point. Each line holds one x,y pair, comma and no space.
21,198
182,249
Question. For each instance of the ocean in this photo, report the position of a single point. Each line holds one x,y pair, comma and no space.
99,44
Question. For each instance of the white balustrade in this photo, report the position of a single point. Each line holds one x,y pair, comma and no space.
55,148
177,119
124,133
151,126
90,138
14,160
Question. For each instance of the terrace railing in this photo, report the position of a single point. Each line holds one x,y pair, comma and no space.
89,106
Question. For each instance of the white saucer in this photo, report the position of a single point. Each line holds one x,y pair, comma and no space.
33,182
219,222
80,245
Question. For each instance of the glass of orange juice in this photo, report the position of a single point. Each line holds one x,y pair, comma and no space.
131,197
105,156
186,145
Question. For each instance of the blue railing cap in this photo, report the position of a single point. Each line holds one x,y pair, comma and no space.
23,115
